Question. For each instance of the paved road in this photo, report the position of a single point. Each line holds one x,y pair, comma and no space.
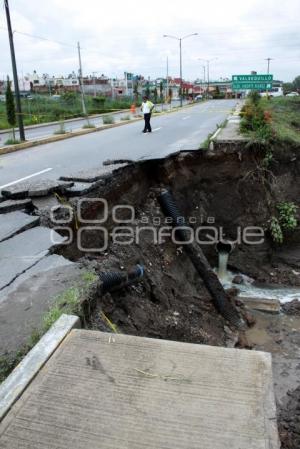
40,132
185,129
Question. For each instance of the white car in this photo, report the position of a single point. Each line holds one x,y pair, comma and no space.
198,97
292,94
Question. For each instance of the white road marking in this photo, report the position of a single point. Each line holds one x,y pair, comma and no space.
26,177
185,118
156,129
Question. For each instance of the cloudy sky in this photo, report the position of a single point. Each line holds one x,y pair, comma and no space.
118,36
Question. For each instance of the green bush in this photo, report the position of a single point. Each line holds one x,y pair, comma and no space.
126,117
286,220
254,97
287,215
276,231
98,101
108,120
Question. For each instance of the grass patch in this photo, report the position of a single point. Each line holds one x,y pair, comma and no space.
126,117
61,129
285,113
205,144
89,277
67,302
88,126
12,141
108,120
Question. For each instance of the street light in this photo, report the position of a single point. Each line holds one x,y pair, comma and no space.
207,62
180,52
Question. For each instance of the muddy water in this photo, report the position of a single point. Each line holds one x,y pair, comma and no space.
280,335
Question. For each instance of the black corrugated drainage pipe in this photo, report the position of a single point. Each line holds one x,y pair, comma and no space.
201,264
114,280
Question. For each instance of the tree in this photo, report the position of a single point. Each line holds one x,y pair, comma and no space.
287,87
155,95
147,91
170,94
296,83
161,91
10,107
136,91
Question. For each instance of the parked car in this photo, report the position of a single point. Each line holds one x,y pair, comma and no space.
2,98
273,92
198,97
292,94
55,97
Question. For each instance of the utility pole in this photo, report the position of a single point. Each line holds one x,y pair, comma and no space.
167,95
208,79
268,69
180,39
81,81
15,73
207,62
94,83
180,53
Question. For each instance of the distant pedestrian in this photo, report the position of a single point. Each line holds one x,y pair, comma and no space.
147,108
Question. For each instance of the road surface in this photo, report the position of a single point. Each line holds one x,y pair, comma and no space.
185,129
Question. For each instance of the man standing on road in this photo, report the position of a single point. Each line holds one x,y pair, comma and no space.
147,108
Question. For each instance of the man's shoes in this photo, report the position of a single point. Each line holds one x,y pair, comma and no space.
144,132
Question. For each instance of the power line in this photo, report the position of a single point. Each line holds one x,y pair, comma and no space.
41,38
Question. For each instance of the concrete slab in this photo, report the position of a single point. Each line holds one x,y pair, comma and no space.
15,222
80,188
32,189
108,391
29,297
23,251
12,205
231,133
24,303
92,175
19,379
270,305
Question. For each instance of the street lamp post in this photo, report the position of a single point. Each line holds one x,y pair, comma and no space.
207,62
180,39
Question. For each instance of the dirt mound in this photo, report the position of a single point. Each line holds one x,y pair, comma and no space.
292,308
289,422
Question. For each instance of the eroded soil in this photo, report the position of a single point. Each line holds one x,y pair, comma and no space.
171,301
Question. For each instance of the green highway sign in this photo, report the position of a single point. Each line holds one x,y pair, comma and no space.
252,82
251,86
252,78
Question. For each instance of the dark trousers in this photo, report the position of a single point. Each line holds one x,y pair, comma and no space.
147,118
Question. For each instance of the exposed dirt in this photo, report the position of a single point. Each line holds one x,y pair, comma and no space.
289,421
171,301
280,335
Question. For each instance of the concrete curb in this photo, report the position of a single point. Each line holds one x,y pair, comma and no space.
81,132
12,388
